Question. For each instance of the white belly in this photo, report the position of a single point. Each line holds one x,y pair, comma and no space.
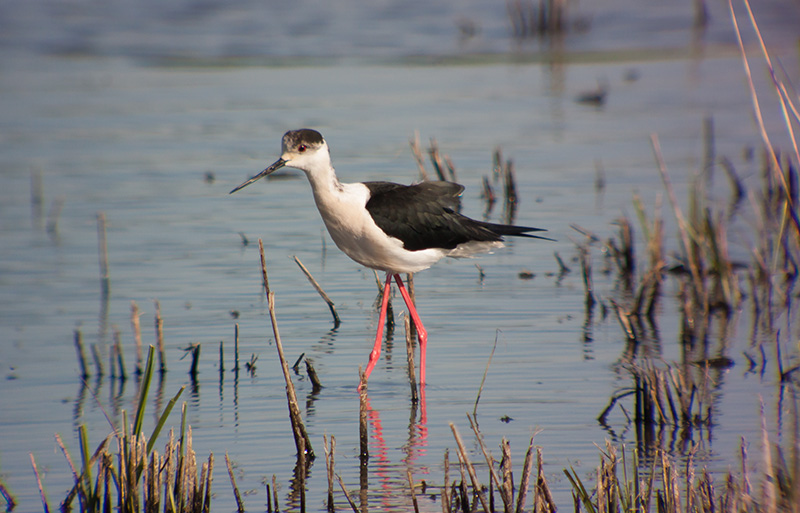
357,235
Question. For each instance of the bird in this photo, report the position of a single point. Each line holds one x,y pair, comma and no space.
389,227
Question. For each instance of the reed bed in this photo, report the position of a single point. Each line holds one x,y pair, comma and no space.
136,477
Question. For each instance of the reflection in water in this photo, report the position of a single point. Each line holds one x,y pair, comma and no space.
77,409
296,499
674,404
392,476
159,399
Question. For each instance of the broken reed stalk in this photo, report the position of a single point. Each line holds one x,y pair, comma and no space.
159,324
137,335
363,433
510,186
489,459
438,164
416,150
221,357
586,273
462,453
195,348
312,375
524,481
296,366
347,495
275,492
330,450
507,490
81,354
445,483
105,279
412,375
487,193
41,486
236,494
298,428
413,493
336,320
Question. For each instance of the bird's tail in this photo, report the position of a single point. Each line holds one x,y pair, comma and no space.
515,231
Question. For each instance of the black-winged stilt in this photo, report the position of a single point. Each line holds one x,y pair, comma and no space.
388,226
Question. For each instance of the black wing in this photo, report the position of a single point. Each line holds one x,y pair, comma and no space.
425,216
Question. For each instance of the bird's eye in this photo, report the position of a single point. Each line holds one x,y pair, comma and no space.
302,148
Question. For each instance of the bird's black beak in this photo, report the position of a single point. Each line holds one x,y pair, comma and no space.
271,169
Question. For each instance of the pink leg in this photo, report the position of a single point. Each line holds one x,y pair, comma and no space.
376,350
421,333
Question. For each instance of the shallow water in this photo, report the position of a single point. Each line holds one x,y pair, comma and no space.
112,128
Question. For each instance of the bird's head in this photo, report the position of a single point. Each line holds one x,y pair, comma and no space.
303,149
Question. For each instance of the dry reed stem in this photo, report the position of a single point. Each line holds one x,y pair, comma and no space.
275,493
42,495
298,428
102,243
476,486
137,335
120,356
524,481
312,375
438,164
237,496
487,192
683,226
509,183
507,490
788,213
768,495
416,150
586,273
412,375
488,457
330,451
336,320
159,324
363,433
347,495
544,498
413,493
445,493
